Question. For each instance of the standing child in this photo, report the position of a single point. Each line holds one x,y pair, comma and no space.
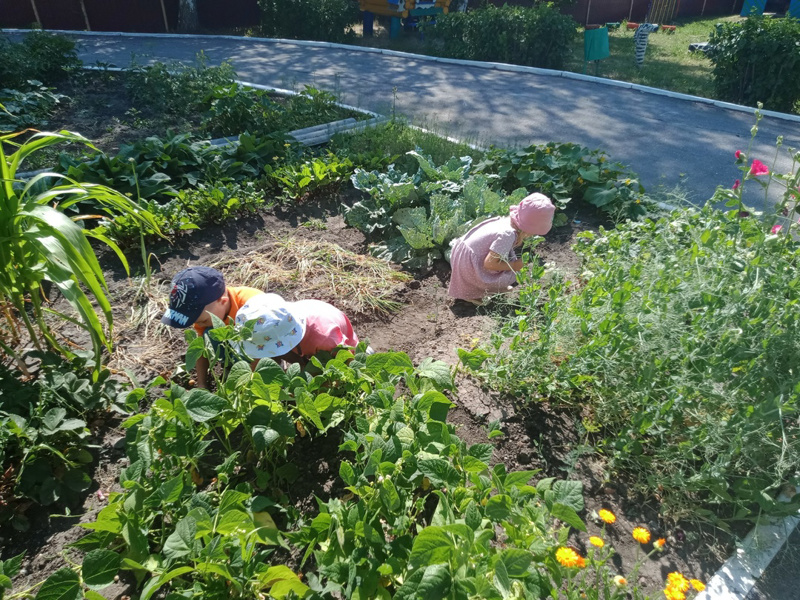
199,292
295,331
483,260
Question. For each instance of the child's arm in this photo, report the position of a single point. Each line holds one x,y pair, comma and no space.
495,262
202,372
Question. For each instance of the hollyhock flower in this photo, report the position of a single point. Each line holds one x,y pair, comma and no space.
775,229
736,185
738,154
758,168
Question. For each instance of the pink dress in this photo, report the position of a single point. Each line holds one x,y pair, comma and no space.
470,280
326,327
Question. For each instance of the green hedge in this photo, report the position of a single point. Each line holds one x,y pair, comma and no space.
537,37
326,21
758,60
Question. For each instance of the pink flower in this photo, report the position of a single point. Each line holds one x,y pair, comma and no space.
775,229
738,154
736,185
758,168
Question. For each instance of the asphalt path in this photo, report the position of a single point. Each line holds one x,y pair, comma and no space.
668,141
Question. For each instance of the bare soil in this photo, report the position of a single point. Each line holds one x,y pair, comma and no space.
536,436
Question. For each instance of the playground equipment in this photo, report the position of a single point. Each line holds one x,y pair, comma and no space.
399,9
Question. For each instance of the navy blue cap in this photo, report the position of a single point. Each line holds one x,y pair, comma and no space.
192,290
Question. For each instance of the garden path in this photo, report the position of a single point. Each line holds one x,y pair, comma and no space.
666,140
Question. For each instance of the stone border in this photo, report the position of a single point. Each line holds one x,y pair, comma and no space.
454,61
739,575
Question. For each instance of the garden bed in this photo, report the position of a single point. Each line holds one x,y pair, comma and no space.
428,324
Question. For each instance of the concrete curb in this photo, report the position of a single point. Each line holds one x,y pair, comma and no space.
422,57
738,576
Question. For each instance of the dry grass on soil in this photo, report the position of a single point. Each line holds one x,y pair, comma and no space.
292,266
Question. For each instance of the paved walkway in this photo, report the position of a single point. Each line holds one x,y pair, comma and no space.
664,139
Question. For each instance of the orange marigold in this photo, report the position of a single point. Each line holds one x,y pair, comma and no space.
606,515
620,581
641,535
596,541
659,543
678,582
569,558
697,584
581,562
673,594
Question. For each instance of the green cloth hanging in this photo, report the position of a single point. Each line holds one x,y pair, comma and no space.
750,5
595,44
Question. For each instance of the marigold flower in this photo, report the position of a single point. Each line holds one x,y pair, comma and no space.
606,515
674,594
659,543
596,541
736,185
758,168
620,581
581,562
697,584
641,535
568,557
678,582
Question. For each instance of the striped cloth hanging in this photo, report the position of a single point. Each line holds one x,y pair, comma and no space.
640,40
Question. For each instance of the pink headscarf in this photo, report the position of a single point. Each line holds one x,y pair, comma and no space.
533,215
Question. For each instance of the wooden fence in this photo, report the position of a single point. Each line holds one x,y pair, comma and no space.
124,15
162,15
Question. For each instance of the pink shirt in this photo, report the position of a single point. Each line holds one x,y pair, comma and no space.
326,327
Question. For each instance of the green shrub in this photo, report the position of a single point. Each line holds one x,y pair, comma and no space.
327,21
231,109
758,61
22,109
177,89
538,37
40,56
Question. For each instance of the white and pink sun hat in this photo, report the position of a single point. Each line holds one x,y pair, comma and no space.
277,328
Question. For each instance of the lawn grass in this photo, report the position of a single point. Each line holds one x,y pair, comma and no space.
668,63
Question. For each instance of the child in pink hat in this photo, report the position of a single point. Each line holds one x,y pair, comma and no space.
483,260
294,331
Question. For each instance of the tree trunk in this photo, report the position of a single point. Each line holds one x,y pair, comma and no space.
164,14
36,14
187,16
85,16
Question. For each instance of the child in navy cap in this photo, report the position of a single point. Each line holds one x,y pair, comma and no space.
199,292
